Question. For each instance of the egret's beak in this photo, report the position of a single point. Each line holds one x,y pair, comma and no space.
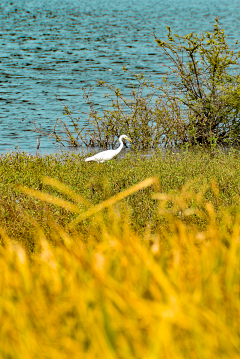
128,139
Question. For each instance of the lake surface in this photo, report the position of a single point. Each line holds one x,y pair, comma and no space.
51,48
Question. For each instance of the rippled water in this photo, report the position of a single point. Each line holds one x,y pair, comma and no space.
51,48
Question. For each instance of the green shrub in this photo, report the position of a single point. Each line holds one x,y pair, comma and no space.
198,102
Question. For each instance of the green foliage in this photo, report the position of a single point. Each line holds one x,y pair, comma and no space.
197,104
206,79
98,182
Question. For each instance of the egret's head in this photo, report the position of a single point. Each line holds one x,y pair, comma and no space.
126,138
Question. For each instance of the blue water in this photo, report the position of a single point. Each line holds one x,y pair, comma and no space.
51,48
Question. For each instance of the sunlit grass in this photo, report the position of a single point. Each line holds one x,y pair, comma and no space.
136,258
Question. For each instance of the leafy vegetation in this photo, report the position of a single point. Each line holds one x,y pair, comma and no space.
132,258
206,85
198,103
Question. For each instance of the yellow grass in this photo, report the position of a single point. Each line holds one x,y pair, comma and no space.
172,293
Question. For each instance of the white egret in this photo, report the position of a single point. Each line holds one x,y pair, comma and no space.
109,154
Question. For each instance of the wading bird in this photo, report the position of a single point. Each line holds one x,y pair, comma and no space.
109,154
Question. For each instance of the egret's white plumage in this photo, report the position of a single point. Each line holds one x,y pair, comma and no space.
109,154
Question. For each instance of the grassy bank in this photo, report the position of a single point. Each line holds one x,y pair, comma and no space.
200,172
133,258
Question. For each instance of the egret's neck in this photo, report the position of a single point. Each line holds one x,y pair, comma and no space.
120,147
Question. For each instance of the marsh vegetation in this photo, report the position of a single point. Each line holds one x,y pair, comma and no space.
133,258
137,257
195,103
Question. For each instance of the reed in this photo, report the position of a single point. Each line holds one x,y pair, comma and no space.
93,285
172,293
96,183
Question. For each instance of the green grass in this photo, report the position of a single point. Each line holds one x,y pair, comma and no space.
97,182
133,258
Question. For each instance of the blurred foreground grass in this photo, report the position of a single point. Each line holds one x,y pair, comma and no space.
133,258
